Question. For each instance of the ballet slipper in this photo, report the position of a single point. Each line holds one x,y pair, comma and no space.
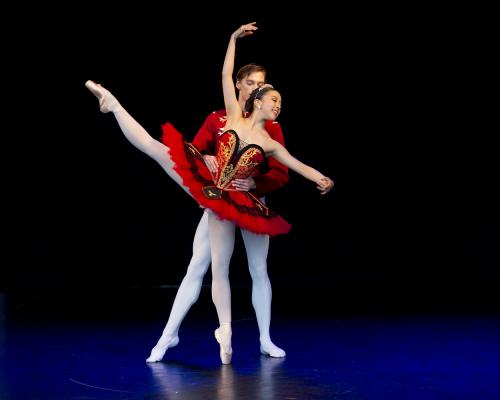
224,340
107,102
161,347
271,350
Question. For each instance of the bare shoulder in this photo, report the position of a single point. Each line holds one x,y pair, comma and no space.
265,134
270,146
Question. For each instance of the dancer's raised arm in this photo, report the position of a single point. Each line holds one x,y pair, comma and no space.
233,108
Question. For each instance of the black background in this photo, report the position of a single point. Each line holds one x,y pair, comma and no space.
378,99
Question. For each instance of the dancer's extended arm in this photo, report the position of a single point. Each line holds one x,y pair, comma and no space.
276,150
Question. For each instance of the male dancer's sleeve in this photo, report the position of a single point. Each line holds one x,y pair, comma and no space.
204,140
277,174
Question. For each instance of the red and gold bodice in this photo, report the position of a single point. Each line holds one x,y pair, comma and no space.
236,159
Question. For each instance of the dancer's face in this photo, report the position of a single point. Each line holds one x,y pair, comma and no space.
270,104
248,84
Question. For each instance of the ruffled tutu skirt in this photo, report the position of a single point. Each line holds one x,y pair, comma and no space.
242,208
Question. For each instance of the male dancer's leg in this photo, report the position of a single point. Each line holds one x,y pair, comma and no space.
188,292
257,247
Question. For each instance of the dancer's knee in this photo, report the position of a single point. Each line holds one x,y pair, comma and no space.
220,270
197,269
258,271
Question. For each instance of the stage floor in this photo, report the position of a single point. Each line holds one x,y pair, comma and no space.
53,355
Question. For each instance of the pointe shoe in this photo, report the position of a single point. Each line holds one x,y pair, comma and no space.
107,102
226,352
160,349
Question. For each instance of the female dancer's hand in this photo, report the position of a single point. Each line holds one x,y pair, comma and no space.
244,30
325,185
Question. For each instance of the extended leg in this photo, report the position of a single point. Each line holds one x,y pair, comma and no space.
134,132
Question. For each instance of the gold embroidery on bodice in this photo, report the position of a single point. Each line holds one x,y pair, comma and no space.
231,150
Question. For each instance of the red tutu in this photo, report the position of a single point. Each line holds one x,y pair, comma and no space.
242,208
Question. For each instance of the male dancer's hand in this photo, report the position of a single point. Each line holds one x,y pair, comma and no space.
244,185
211,163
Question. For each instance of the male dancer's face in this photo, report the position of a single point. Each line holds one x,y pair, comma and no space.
249,83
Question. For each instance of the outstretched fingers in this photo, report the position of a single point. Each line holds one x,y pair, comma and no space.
245,30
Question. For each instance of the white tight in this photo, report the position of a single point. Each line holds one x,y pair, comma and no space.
221,234
256,247
214,240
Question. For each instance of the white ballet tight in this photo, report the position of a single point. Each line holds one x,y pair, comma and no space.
190,287
214,240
